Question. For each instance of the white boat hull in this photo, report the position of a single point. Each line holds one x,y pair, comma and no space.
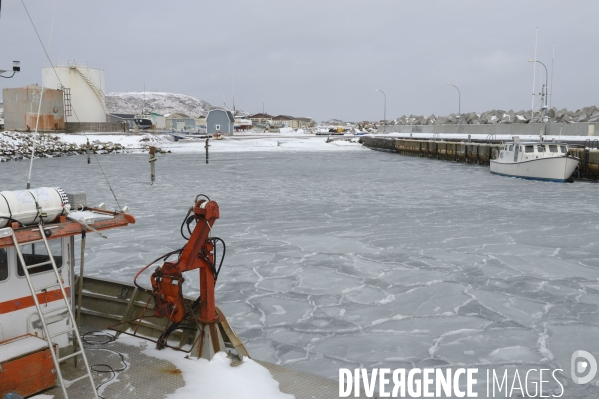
557,169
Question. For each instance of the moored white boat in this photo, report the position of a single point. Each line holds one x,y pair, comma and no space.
548,161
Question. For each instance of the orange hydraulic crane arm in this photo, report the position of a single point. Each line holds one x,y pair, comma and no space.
205,214
198,253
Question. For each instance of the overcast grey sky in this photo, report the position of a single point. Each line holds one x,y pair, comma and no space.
322,59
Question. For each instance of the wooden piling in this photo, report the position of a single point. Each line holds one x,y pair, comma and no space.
152,164
207,145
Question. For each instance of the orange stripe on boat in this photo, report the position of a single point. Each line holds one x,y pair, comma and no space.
28,302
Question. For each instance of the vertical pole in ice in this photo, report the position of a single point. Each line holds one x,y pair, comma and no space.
88,152
153,163
207,145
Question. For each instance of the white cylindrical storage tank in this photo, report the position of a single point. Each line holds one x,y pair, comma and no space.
22,205
86,87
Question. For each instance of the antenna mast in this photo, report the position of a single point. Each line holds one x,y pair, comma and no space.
551,95
534,71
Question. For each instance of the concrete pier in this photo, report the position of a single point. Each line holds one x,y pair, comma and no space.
476,153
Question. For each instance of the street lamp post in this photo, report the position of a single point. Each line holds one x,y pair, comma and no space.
384,110
16,67
459,105
544,95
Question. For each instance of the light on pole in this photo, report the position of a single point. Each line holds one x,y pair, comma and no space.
459,105
16,67
384,110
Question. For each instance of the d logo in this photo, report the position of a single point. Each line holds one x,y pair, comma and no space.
579,366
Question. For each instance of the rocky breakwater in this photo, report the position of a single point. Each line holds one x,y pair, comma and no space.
586,114
15,146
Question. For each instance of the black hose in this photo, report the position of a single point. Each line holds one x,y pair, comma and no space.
105,339
163,339
202,195
222,259
185,219
165,256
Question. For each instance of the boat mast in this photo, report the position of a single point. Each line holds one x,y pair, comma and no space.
551,95
534,71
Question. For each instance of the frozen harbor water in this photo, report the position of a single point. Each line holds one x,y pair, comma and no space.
364,259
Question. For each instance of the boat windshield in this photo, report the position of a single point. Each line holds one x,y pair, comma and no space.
529,148
541,148
564,149
552,148
3,264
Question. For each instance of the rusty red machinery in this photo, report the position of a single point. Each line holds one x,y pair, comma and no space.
198,254
213,332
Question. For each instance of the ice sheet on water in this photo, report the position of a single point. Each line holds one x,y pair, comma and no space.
283,284
367,295
366,348
323,282
523,311
434,300
412,277
343,244
490,346
285,335
433,326
327,244
282,311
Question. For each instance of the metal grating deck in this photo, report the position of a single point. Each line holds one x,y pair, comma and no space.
147,377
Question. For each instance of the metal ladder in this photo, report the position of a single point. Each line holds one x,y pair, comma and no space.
64,384
68,108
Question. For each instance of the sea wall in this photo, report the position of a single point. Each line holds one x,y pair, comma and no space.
378,143
480,153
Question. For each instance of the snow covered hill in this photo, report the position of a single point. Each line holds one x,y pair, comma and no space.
162,103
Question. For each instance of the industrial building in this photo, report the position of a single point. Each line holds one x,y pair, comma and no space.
72,100
21,106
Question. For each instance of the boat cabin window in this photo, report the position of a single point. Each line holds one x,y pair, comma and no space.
509,148
552,148
563,148
3,264
529,148
36,253
541,148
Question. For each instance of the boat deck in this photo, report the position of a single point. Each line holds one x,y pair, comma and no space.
148,377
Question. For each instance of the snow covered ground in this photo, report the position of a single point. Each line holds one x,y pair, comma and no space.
215,378
285,141
163,103
355,258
